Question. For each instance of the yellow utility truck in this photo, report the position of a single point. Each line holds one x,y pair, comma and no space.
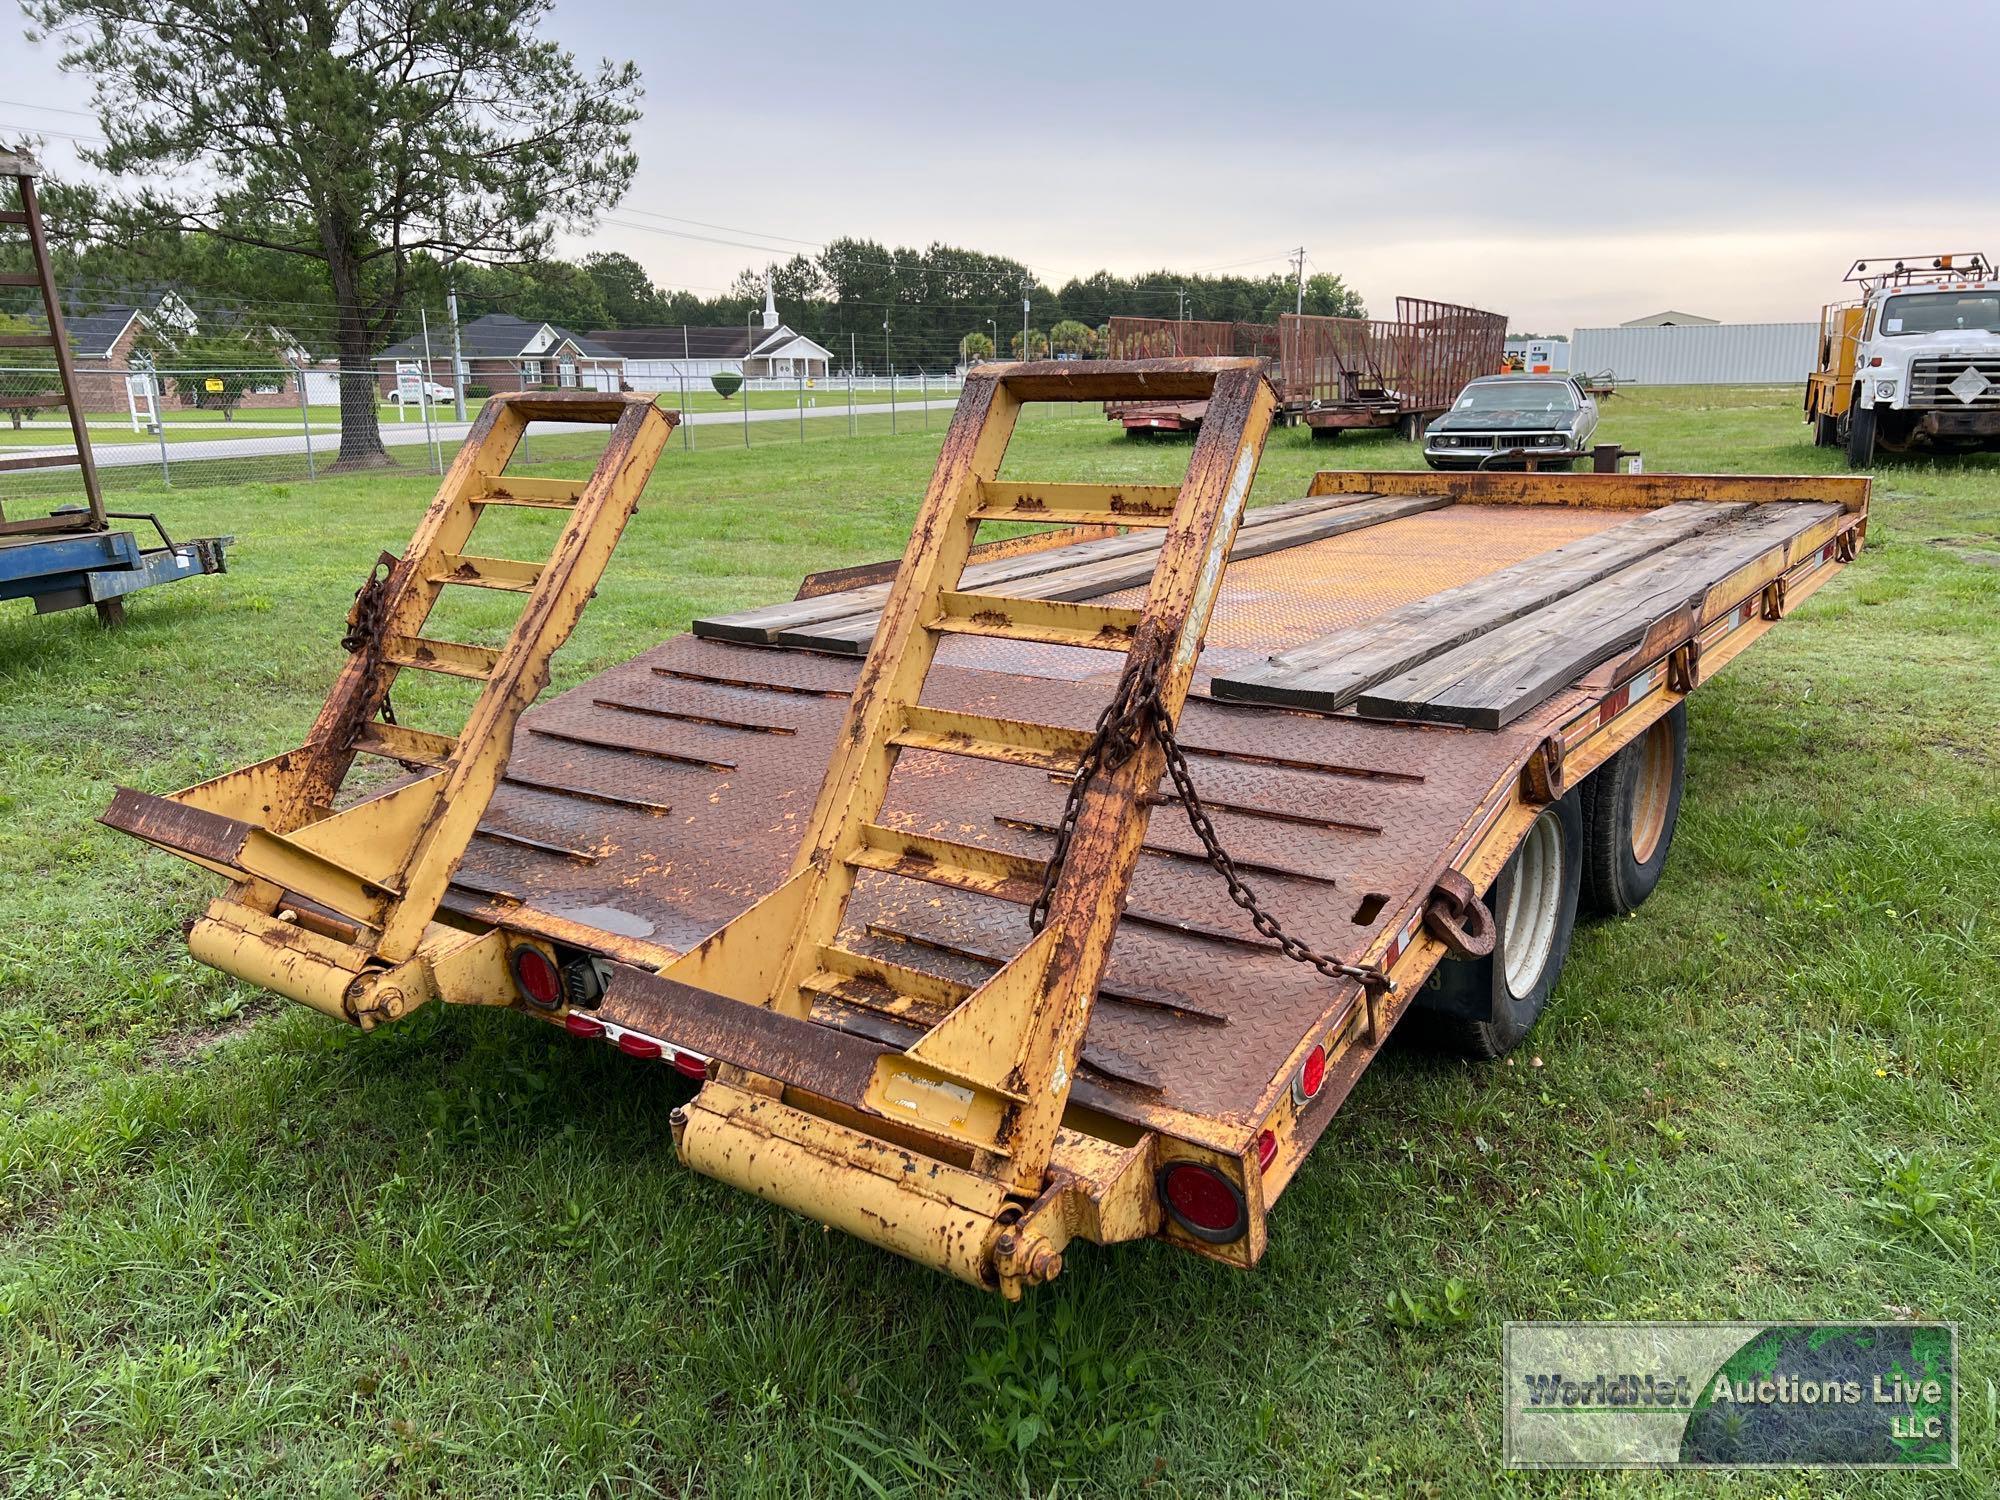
1913,363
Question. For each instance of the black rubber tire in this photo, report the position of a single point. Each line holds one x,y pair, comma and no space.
1860,436
1826,432
1615,882
1326,434
1467,1008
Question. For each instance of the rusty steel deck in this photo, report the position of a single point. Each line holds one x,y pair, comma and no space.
647,807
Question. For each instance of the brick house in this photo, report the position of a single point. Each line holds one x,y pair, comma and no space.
504,353
107,342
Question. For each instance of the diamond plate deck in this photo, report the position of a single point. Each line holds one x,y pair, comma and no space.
659,800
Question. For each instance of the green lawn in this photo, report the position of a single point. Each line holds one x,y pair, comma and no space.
246,1251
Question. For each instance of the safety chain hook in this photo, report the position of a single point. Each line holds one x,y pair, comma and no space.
1135,710
367,618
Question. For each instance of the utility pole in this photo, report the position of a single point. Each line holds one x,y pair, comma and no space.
994,325
1027,351
457,356
1299,305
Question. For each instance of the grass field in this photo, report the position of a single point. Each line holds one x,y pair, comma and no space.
246,1251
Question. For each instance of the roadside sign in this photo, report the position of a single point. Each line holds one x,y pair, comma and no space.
212,386
410,386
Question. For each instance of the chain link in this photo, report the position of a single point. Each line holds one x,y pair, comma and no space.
367,619
1135,710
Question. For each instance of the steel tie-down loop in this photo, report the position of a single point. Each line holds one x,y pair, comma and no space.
1456,917
1135,708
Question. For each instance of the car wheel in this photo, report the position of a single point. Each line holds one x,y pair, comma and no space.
1484,1007
1631,806
1860,436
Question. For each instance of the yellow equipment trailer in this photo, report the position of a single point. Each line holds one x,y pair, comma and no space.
1050,890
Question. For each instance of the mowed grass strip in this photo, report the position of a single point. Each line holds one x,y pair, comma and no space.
246,1251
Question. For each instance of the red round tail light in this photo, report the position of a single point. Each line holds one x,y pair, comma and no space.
536,977
1203,1202
1312,1076
1267,1150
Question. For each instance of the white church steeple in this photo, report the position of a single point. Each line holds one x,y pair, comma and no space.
770,304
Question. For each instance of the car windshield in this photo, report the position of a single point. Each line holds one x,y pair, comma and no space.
1941,312
1516,395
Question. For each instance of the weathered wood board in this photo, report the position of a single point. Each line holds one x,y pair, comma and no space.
1331,672
1274,530
1493,679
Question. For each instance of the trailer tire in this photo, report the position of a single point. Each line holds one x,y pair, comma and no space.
1325,434
1484,1007
1826,431
1860,436
1631,805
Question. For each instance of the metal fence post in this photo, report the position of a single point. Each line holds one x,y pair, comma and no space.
850,399
925,377
160,425
802,408
746,407
892,403
687,417
305,422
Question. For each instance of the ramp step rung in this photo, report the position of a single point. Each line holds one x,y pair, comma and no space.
506,573
912,987
19,278
400,743
964,867
26,341
1014,742
533,494
1096,627
475,663
1078,504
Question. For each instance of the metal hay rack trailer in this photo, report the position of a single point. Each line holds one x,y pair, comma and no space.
1342,374
807,853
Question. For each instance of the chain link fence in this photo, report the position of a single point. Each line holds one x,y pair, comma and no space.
157,433
165,429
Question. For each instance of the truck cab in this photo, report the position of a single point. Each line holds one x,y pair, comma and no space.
1913,363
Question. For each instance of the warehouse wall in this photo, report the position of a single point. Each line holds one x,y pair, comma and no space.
1708,354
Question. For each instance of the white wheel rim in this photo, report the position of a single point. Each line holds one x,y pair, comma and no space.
1534,897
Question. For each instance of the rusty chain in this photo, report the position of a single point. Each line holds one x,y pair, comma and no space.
1136,709
366,620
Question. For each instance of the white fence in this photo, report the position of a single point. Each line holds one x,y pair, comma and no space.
1699,353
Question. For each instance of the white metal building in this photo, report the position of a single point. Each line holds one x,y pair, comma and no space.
1698,354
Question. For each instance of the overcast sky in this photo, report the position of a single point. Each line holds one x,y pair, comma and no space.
1567,164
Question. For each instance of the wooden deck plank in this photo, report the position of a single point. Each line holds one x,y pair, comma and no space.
1331,672
1494,679
766,623
853,635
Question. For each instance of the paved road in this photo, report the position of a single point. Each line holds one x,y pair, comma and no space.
412,434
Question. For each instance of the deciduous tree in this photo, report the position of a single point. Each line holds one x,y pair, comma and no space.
360,134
